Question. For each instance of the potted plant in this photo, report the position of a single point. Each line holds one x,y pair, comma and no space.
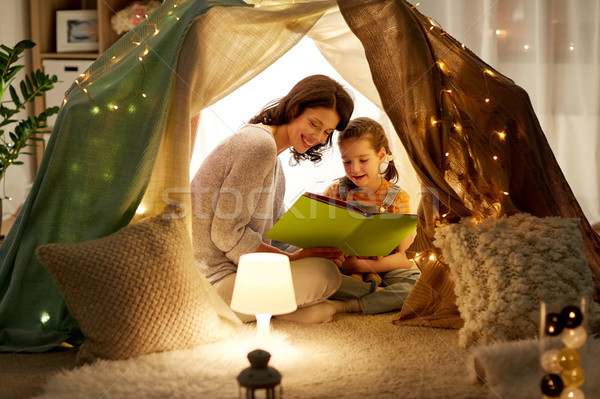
17,134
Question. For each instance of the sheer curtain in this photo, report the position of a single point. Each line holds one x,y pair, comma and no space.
551,48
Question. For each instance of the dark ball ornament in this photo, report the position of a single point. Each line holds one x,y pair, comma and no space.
552,385
572,316
554,324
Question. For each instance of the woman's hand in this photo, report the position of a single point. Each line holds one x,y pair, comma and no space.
333,254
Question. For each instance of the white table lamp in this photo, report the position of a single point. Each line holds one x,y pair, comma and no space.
263,287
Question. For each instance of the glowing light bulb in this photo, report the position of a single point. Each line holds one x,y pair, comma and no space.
526,47
505,192
571,47
487,100
95,110
495,158
432,257
501,135
144,95
44,317
141,59
447,154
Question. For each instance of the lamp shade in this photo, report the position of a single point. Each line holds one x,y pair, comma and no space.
263,285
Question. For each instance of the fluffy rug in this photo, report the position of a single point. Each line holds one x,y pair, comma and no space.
351,357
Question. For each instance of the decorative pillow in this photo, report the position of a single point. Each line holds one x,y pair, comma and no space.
138,290
502,269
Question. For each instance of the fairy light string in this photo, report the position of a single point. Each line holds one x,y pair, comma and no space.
496,136
141,37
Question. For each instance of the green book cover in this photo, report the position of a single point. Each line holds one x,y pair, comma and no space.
318,221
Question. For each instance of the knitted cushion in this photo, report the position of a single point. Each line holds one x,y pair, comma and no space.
138,290
502,269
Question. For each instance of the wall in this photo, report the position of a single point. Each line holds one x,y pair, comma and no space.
14,26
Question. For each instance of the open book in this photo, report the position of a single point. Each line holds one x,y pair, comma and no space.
318,221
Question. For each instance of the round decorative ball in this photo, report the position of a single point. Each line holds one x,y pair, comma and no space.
549,361
572,316
574,337
552,385
554,324
572,393
568,358
574,377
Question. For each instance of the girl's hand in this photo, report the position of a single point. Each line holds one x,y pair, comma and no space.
353,264
333,254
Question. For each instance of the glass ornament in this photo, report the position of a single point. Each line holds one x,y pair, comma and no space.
554,324
573,377
568,358
574,337
572,316
549,361
572,393
552,385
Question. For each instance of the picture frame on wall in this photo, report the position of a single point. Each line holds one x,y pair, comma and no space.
76,31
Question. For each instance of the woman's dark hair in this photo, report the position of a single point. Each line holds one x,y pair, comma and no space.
311,92
371,130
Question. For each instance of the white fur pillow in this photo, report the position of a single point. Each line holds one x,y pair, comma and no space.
502,269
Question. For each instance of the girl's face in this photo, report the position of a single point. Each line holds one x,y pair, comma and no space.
311,127
361,162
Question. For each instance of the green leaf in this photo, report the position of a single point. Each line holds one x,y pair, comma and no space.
24,91
14,96
29,84
13,71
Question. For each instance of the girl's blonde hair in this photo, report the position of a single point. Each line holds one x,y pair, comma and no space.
367,128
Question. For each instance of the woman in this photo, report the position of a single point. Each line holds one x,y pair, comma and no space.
237,194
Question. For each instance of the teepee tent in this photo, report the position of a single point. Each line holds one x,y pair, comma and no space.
122,142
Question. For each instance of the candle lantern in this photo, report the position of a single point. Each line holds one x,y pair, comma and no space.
259,380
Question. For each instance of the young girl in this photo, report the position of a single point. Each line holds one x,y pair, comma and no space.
368,184
238,191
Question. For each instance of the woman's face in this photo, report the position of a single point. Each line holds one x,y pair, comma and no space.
361,162
312,127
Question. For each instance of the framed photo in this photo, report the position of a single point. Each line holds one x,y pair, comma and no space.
76,30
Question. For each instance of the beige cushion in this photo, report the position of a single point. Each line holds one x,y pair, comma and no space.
138,290
502,269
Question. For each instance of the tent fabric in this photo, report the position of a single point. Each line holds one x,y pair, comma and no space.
471,133
122,142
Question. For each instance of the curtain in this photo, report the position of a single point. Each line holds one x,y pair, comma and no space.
471,133
121,145
551,48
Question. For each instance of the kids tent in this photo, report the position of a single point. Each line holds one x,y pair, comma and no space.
122,142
